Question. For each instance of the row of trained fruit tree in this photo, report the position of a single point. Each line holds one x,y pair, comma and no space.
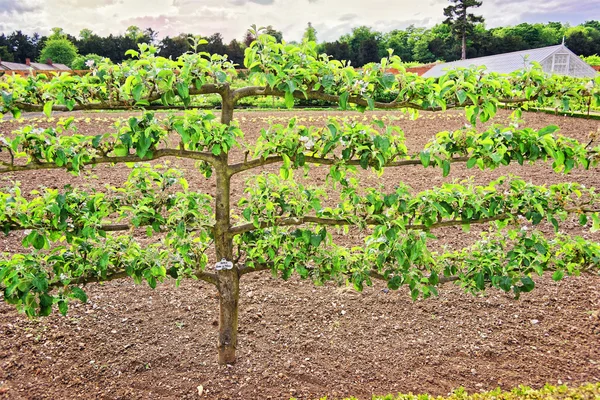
75,236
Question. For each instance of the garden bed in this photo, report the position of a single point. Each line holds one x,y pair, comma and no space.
132,342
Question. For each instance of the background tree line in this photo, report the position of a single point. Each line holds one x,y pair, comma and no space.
421,45
363,45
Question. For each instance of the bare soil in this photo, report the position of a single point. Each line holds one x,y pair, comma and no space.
132,342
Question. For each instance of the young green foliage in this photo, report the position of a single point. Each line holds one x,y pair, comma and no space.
76,236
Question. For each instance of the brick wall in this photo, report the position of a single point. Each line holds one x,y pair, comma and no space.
420,70
48,73
415,70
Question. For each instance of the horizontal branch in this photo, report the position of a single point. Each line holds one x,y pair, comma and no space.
441,279
246,270
105,228
160,153
260,162
91,279
119,105
207,277
372,273
239,229
252,91
204,276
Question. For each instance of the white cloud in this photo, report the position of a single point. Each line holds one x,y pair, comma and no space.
17,6
331,18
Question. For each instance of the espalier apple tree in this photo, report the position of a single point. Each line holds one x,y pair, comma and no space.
73,236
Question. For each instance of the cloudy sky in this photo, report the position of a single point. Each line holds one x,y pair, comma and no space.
331,18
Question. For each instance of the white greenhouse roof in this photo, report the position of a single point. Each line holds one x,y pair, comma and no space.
549,57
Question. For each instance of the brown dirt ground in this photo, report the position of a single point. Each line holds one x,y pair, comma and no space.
132,342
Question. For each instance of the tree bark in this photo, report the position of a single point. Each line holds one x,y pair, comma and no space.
228,280
229,294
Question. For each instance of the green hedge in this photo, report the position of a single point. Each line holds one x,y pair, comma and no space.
589,391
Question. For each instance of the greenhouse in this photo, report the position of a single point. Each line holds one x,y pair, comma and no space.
553,59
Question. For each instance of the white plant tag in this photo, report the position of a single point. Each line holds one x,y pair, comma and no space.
223,264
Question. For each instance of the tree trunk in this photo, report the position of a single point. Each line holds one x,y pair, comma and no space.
464,46
229,294
228,280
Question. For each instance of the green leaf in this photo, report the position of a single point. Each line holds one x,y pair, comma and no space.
180,229
183,90
595,223
289,100
291,86
554,223
505,283
221,77
357,282
48,108
70,103
38,241
152,282
132,53
271,79
471,113
7,98
529,92
96,141
479,281
63,307
315,240
379,123
381,143
547,130
198,83
370,103
425,158
45,305
558,275
414,294
121,151
344,100
79,294
462,96
16,113
528,284
446,167
541,248
143,145
471,162
394,283
216,149
247,213
387,80
40,283
284,172
137,92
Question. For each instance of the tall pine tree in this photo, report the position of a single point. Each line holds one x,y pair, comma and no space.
310,34
461,21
